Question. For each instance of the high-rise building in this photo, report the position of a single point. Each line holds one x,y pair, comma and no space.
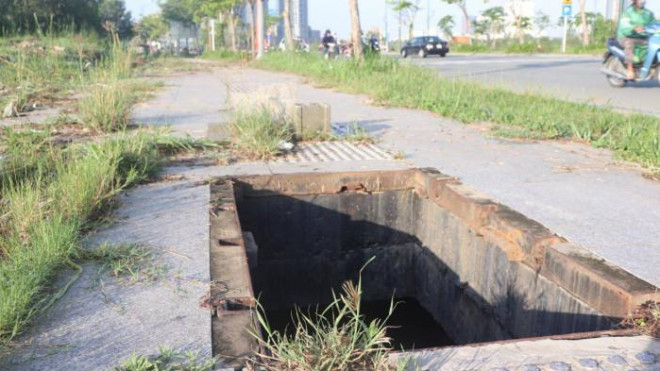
299,17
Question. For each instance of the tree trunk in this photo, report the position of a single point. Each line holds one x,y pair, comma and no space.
231,22
356,30
583,17
467,27
286,16
411,30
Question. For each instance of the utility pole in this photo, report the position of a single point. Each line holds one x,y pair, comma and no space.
428,17
260,28
387,31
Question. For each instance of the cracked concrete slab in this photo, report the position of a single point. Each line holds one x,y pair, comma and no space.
97,325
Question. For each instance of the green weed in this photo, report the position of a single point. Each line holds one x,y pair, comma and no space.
167,360
124,260
45,211
257,134
337,338
357,134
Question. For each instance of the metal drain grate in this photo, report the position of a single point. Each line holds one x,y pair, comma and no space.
338,151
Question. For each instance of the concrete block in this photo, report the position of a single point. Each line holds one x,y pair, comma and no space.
310,118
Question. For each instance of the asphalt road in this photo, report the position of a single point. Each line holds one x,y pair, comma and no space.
575,78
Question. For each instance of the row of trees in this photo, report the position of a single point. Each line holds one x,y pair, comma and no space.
29,16
589,26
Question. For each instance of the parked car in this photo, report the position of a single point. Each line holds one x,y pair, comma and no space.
424,46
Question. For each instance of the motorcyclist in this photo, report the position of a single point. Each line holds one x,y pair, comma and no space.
631,31
327,40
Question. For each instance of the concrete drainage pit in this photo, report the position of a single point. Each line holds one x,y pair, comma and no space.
466,269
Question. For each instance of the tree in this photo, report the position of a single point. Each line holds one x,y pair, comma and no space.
152,26
493,23
542,23
27,16
288,34
356,29
466,17
521,23
407,11
115,13
446,25
583,22
182,11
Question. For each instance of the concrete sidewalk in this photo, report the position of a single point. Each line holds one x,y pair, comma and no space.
575,190
578,191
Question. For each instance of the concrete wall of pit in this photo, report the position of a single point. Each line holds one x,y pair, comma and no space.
482,270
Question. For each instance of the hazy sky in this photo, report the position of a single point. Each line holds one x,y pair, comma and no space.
333,14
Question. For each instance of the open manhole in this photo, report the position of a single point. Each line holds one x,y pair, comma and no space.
465,269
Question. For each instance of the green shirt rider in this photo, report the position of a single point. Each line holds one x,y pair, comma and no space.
631,31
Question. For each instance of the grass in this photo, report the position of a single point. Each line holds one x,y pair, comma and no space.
50,196
124,260
167,360
336,338
258,135
226,55
635,137
44,68
542,46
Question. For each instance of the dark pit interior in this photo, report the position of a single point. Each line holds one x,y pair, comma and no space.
457,286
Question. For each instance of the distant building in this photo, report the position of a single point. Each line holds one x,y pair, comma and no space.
299,17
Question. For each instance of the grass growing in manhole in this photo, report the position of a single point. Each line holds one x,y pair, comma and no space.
336,338
646,319
257,134
167,360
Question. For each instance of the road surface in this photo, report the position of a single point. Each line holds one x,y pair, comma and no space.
575,78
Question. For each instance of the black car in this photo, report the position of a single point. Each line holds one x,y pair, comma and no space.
424,46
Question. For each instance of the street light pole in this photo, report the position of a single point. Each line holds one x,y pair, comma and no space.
260,28
563,43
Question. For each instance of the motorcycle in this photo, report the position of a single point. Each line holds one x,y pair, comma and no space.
374,45
647,60
331,51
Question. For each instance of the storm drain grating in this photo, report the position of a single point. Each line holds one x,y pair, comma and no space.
336,151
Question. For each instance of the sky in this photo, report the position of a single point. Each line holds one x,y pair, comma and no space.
333,14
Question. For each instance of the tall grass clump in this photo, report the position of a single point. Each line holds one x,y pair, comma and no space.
44,67
44,213
337,338
635,137
106,106
257,133
108,97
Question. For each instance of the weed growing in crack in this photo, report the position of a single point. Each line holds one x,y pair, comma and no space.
125,260
168,360
357,134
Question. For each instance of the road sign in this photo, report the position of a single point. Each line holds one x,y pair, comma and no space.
567,2
567,10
